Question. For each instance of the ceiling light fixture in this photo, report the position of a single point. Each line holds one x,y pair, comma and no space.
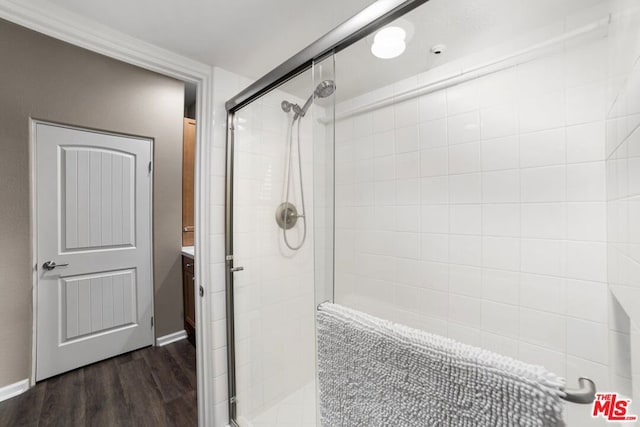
389,42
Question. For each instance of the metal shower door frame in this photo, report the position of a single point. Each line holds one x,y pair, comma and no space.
344,35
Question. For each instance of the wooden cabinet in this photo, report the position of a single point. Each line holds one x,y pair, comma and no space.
188,180
188,297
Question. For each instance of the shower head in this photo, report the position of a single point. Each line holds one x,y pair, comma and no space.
323,90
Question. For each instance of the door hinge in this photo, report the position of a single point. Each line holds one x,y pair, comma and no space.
150,167
152,321
201,291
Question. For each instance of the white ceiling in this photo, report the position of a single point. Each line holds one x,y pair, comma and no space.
250,37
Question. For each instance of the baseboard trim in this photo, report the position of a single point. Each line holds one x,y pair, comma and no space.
12,390
168,339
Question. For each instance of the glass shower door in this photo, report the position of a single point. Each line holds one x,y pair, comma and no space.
273,236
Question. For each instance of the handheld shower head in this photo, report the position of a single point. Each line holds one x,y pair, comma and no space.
323,90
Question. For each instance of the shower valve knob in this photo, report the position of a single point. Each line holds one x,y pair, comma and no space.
287,216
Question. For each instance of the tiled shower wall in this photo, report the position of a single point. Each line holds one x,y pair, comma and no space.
226,85
623,183
274,295
478,212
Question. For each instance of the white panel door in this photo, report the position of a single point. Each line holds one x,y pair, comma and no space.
93,195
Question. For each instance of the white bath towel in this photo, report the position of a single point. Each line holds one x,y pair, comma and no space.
374,373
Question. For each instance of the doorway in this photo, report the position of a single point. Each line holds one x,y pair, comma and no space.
73,93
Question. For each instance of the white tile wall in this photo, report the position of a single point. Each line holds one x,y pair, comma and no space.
225,85
622,130
500,214
275,292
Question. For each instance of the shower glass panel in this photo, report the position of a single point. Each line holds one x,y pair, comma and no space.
323,180
278,141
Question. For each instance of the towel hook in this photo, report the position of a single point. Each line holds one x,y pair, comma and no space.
318,306
585,394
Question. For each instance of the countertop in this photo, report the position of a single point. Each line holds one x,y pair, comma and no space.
188,251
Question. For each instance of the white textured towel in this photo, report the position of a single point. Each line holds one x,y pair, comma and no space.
374,373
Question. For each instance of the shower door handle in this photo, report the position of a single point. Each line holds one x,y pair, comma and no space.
234,269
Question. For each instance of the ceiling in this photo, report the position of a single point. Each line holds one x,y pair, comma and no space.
250,37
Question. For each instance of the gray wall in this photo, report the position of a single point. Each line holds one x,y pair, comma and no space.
47,79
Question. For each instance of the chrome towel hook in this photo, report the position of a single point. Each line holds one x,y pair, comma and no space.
585,394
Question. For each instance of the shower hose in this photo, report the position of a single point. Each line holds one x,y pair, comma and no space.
288,176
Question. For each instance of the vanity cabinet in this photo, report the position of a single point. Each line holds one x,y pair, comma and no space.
188,296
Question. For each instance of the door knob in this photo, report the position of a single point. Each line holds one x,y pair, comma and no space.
50,265
234,269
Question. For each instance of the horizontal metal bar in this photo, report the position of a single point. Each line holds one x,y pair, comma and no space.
585,394
352,30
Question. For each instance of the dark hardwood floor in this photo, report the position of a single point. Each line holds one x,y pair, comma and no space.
155,386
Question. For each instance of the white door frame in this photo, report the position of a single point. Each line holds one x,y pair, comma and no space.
71,28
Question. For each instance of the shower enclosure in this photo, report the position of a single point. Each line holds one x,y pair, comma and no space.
478,186
276,213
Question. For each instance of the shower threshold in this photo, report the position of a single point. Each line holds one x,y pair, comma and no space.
296,410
